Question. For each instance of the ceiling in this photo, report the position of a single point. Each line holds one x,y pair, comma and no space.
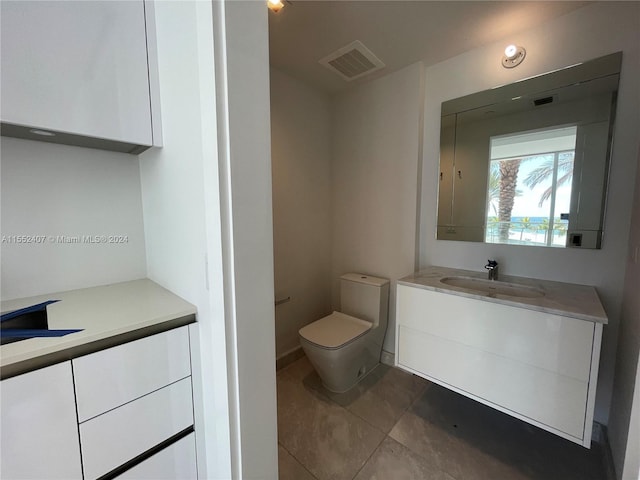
398,32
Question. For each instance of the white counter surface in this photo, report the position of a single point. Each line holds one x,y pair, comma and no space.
109,315
567,299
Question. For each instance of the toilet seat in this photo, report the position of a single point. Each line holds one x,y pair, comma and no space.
335,330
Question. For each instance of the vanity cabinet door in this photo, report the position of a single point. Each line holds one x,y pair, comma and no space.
76,67
39,425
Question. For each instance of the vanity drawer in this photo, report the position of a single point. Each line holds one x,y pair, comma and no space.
177,461
551,342
513,387
107,379
114,438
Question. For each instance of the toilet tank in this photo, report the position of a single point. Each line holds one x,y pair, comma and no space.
365,297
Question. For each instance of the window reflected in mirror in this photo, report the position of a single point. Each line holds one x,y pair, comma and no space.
529,188
528,163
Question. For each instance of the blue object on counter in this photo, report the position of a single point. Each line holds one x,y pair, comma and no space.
32,332
23,311
28,322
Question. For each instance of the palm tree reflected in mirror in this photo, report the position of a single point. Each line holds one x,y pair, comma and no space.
530,210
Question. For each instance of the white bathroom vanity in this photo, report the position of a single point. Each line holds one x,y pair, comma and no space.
529,348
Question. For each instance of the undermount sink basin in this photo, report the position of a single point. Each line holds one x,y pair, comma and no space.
492,287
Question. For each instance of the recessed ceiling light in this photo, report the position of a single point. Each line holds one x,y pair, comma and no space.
513,56
275,5
510,52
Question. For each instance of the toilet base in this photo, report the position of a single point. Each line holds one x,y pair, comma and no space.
341,369
358,380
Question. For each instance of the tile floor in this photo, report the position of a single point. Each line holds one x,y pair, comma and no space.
397,426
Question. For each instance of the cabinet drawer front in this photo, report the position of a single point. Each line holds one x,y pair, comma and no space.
551,342
38,426
116,437
112,377
176,462
534,393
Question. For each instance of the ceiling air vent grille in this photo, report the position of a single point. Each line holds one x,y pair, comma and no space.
353,61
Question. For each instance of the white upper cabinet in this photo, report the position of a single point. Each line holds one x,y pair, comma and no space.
77,68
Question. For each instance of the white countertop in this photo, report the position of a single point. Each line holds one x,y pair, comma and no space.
108,315
567,299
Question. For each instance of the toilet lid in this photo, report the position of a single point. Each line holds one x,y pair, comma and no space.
335,330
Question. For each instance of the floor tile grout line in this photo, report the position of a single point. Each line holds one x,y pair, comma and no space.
451,474
369,457
330,400
375,449
386,435
324,395
404,410
418,454
428,461
404,414
298,461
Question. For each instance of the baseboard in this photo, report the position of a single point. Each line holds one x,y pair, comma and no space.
289,357
388,358
599,435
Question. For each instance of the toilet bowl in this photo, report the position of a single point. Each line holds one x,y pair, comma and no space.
345,346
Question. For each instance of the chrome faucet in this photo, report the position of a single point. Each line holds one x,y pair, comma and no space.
492,267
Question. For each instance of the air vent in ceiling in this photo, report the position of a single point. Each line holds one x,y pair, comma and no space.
544,100
353,61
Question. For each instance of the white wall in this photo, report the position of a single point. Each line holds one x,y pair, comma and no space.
624,423
375,134
53,190
182,213
587,33
301,176
242,76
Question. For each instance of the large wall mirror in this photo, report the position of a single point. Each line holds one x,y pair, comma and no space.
527,163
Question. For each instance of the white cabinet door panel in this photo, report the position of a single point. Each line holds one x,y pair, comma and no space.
76,67
551,342
110,378
119,435
546,397
176,462
39,426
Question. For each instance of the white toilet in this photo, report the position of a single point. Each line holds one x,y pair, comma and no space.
344,346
